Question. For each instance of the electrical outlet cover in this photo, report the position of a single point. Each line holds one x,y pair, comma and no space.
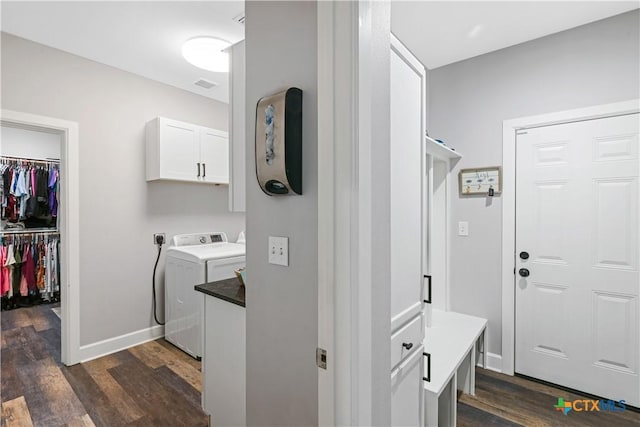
279,251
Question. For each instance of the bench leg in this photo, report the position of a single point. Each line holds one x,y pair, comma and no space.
431,410
466,373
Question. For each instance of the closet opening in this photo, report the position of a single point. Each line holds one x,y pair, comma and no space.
38,237
29,243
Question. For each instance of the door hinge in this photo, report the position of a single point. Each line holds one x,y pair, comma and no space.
321,358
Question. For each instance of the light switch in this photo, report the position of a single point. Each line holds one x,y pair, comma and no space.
279,250
463,228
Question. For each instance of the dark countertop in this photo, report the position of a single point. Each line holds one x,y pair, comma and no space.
229,290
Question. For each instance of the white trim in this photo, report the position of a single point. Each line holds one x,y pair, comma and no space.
69,225
509,128
326,206
348,290
494,362
122,342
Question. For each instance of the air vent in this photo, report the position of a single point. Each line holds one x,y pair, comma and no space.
205,84
239,19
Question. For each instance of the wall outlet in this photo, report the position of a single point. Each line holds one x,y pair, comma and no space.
463,228
279,250
159,239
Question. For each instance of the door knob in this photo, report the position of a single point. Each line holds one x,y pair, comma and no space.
523,272
407,345
524,255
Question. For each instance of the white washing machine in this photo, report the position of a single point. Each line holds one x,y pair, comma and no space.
193,259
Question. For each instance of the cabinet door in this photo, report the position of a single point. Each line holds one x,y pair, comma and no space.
214,156
406,152
179,150
407,391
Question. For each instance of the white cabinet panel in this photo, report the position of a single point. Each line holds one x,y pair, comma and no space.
407,391
407,115
406,339
214,156
180,150
224,370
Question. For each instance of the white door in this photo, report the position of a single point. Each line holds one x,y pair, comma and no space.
214,156
180,147
577,321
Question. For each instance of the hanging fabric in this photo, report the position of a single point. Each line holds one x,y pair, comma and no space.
29,193
29,269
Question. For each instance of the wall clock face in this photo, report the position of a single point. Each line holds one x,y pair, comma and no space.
487,181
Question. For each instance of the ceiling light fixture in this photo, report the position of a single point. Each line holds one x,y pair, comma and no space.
207,53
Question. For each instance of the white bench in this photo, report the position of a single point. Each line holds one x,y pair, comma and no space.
451,342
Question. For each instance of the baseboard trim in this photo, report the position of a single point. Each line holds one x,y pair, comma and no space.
122,342
494,362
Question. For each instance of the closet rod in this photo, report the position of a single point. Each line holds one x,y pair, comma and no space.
29,233
28,159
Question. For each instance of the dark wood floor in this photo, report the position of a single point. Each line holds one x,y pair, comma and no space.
155,384
503,400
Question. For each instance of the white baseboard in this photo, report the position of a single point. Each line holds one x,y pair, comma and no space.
494,362
115,344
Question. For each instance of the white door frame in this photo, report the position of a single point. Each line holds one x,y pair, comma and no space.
509,129
68,223
353,223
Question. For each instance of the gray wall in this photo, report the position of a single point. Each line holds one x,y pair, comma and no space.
119,210
594,64
282,302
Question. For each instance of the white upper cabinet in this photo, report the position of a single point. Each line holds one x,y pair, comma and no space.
180,151
237,132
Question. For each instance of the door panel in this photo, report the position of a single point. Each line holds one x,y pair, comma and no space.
214,155
406,191
577,216
180,150
618,313
407,391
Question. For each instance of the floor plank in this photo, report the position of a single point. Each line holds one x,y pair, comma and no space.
15,413
118,398
84,421
98,405
155,355
469,416
49,395
155,397
179,384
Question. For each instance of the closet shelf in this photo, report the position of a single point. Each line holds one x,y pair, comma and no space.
441,151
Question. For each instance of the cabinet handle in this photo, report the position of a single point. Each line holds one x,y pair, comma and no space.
204,170
428,300
198,170
407,345
428,377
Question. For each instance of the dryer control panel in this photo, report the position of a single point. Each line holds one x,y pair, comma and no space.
198,239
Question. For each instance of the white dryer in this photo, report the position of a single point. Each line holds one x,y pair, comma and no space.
193,259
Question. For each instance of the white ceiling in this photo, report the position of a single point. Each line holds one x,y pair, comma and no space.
145,37
444,32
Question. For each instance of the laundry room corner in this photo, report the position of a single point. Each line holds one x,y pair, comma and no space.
119,210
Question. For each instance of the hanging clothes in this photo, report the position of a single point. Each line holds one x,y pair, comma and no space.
29,268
